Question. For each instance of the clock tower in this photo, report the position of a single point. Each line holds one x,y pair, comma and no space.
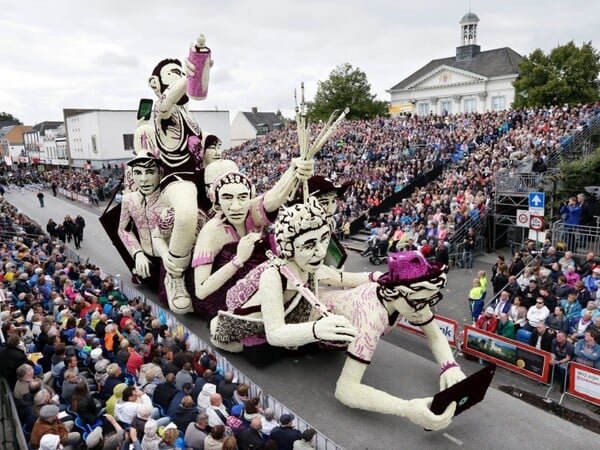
468,37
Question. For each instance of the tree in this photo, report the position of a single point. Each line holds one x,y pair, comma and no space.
569,74
572,179
579,173
282,119
346,87
7,117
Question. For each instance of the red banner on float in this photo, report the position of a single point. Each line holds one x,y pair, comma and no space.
584,383
508,353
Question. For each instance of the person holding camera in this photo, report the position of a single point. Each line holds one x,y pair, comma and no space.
571,215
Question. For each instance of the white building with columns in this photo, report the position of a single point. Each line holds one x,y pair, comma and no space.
470,81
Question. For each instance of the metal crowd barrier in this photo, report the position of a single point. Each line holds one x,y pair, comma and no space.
579,239
582,382
10,425
85,199
512,354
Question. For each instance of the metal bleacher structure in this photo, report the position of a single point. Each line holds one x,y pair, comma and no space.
513,188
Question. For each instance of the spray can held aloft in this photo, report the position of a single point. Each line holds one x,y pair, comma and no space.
197,85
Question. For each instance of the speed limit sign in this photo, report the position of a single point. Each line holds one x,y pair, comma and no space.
523,218
536,223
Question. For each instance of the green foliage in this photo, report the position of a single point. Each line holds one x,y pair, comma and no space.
281,117
569,74
577,174
7,117
346,87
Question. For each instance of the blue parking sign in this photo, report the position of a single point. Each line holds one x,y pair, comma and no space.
537,200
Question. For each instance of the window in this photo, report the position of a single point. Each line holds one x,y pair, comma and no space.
499,103
423,109
128,141
262,128
94,146
446,105
470,105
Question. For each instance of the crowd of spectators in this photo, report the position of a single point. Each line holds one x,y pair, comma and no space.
549,302
383,155
89,366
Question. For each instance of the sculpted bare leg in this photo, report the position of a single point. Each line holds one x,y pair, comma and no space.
180,195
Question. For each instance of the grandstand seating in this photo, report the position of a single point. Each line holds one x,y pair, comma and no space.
523,336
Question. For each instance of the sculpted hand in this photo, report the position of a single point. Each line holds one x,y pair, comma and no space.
450,377
418,412
201,43
246,246
334,328
376,275
142,265
303,169
190,69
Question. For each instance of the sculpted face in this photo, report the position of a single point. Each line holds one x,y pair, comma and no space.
171,73
328,203
310,248
234,200
146,178
212,153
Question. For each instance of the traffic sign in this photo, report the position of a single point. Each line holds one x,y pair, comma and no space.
536,212
537,200
536,223
523,218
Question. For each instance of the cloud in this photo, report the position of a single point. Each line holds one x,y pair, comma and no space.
112,59
56,54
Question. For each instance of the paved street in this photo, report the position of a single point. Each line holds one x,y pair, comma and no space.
402,366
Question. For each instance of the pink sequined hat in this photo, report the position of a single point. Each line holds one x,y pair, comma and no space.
410,267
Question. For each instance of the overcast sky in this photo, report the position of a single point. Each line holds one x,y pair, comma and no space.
98,53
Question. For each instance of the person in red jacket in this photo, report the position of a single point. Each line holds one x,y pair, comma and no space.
426,249
136,360
487,321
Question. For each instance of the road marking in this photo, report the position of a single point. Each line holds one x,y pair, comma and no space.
453,439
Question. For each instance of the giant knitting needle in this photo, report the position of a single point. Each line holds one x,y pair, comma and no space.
303,131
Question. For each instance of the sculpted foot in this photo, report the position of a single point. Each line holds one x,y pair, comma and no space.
178,297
